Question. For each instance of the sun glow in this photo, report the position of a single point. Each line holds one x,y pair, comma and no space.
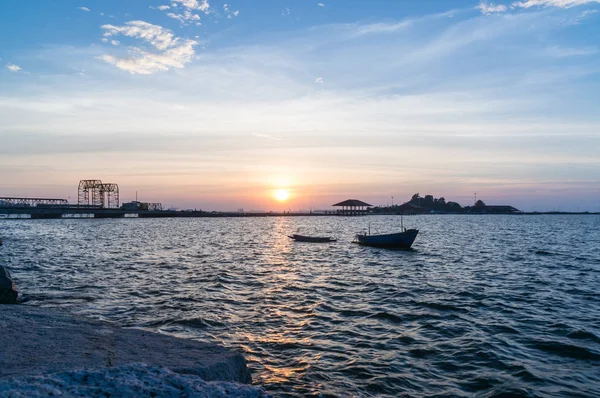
281,195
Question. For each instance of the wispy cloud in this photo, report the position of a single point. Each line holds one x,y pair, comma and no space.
377,28
161,8
13,67
562,52
172,51
267,136
228,12
491,8
319,80
83,9
185,18
190,10
202,6
159,37
321,4
553,3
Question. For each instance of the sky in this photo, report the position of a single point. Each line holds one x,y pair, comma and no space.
216,105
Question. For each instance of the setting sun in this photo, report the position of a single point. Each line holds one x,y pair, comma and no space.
282,195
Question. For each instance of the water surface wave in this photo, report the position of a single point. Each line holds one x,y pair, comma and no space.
485,305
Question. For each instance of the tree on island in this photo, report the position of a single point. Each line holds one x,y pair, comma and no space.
425,204
429,204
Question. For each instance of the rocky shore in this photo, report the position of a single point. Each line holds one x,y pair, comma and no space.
52,353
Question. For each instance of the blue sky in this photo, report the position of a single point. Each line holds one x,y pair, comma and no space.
213,104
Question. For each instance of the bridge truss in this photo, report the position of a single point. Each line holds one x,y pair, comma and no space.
96,193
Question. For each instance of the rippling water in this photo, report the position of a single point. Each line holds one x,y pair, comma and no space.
483,305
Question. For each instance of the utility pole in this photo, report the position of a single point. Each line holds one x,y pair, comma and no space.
475,197
392,201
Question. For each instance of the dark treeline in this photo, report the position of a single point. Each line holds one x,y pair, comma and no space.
427,203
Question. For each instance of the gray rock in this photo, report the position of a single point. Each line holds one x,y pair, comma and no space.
135,380
40,341
8,290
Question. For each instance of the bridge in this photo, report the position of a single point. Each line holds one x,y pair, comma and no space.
30,202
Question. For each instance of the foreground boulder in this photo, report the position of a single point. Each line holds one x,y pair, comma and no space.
45,341
8,290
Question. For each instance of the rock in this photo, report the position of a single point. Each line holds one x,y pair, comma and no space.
8,290
134,380
45,341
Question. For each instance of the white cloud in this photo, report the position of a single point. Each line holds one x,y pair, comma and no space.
285,12
188,14
321,4
491,8
145,63
13,67
156,35
173,52
319,80
185,18
552,3
83,9
115,42
203,5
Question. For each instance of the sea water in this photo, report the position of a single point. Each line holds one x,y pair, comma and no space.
483,305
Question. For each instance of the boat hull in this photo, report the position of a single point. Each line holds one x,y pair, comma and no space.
313,239
400,240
